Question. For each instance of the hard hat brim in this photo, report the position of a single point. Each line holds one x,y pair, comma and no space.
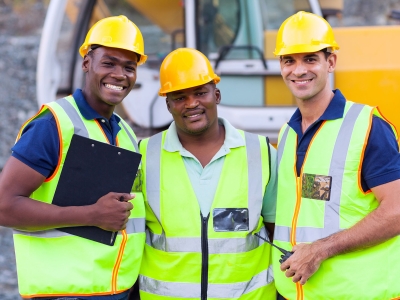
304,49
164,92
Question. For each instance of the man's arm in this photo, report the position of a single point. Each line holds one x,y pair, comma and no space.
17,210
270,229
378,226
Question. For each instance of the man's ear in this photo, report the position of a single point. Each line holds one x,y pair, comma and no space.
85,64
166,102
332,62
217,95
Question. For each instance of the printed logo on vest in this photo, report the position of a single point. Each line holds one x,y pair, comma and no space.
317,187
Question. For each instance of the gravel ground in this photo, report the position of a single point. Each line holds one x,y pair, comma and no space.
20,27
8,275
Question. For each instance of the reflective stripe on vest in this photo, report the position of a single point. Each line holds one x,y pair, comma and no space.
283,142
192,290
215,246
79,127
135,225
133,141
310,234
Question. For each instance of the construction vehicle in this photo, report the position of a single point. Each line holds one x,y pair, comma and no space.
238,36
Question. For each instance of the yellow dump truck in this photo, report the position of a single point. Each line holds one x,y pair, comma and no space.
238,36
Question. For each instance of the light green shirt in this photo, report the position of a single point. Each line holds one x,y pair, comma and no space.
205,180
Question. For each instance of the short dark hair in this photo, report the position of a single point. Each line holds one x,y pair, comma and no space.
326,52
92,47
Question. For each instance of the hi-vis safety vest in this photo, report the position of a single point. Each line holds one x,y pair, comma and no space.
184,257
54,263
336,150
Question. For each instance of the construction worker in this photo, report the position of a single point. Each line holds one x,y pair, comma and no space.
338,186
50,263
208,188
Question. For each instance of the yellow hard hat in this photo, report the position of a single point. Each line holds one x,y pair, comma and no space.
304,33
115,32
185,68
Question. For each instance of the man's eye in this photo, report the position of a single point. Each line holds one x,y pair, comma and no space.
130,69
107,63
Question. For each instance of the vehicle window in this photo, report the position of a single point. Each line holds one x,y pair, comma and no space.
275,12
162,32
217,24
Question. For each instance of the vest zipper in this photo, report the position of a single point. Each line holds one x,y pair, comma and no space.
204,256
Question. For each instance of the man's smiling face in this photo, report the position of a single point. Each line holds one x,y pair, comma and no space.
194,109
110,75
306,74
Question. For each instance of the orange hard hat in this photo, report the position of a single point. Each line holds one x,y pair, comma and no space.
185,68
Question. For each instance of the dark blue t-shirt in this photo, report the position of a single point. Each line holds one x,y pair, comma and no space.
39,145
381,162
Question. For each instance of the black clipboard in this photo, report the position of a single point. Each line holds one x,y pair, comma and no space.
91,170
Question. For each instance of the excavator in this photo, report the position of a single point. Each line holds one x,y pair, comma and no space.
238,36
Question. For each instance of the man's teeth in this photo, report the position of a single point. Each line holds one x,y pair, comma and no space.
303,81
193,116
113,87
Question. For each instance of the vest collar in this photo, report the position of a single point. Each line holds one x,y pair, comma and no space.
335,110
233,139
86,110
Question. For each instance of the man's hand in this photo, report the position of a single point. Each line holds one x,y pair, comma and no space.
111,212
304,262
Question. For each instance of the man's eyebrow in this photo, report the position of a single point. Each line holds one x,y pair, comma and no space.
113,58
311,55
199,89
131,62
177,94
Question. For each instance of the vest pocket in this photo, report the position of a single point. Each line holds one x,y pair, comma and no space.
230,219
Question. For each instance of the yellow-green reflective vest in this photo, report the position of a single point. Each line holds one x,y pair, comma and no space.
184,258
336,150
54,263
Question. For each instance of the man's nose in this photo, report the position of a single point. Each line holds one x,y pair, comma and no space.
119,73
299,69
192,101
